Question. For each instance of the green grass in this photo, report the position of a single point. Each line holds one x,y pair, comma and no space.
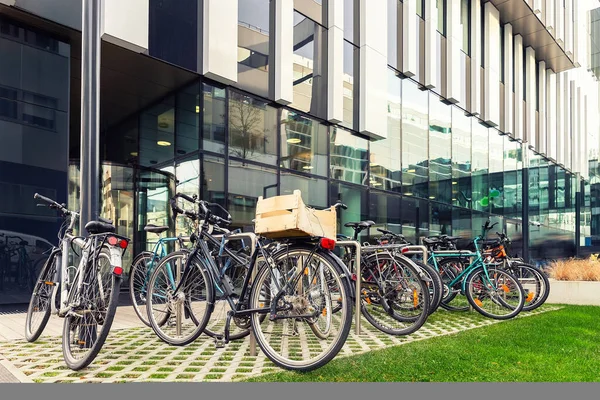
557,346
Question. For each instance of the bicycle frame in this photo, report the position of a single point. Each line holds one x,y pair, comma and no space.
466,271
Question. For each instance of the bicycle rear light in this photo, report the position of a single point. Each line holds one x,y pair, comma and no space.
118,271
123,244
404,250
327,243
112,240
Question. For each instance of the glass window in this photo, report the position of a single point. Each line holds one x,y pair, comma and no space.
385,166
465,22
350,59
441,219
355,197
252,129
213,119
173,32
496,172
314,190
188,182
157,128
480,167
440,150
253,46
349,20
187,119
461,158
393,34
461,223
415,127
212,179
303,144
385,210
348,156
415,219
534,186
441,16
247,182
309,83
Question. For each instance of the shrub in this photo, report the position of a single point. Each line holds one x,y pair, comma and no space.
575,270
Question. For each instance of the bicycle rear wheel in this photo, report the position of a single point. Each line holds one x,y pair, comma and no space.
535,284
39,308
436,285
452,298
87,324
304,333
499,297
395,299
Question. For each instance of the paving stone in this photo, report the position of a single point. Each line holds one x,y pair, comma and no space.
136,354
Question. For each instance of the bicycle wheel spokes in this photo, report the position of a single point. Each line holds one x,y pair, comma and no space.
305,333
39,309
138,284
397,302
178,317
500,296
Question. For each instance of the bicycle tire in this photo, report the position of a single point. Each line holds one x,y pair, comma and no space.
412,323
478,305
46,284
153,293
542,283
134,292
269,338
437,285
100,338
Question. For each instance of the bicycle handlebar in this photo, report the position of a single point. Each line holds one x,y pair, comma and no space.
205,211
54,204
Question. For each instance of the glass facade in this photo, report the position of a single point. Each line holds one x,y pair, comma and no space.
34,150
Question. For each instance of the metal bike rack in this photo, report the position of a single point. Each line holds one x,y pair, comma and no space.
357,246
417,250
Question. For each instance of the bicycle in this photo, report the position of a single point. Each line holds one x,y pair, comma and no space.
534,281
480,282
87,295
434,281
143,265
393,288
289,302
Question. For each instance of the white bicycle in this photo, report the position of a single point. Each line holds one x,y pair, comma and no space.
86,296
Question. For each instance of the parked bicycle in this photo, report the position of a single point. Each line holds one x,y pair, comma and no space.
85,296
288,297
394,293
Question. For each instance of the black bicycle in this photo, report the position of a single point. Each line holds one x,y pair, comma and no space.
296,296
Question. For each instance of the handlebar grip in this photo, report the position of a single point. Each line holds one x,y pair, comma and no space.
44,198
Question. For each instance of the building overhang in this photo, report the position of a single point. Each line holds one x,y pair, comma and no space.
526,23
129,81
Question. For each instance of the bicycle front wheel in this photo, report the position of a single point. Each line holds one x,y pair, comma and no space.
92,312
300,292
39,308
534,282
495,294
179,316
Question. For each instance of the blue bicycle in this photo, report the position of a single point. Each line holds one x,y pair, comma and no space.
144,264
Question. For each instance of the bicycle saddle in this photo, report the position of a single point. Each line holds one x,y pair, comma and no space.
449,238
156,229
359,225
95,227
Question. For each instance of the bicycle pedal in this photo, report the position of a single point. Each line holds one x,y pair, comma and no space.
219,343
